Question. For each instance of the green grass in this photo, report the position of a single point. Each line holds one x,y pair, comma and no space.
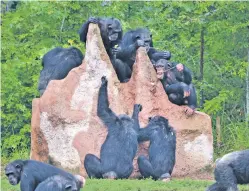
136,185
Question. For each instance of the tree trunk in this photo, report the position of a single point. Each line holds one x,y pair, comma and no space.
202,65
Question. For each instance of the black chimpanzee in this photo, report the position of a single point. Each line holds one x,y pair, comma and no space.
161,150
177,82
120,147
230,170
110,29
125,54
59,183
31,173
57,63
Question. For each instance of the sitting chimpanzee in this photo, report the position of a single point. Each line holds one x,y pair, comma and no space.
177,82
58,183
110,29
125,54
120,147
162,149
230,170
31,173
57,63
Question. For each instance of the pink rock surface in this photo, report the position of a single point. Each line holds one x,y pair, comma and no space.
65,126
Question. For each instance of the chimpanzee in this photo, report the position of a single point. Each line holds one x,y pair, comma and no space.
230,170
59,183
110,29
177,82
126,52
57,63
161,150
120,147
31,173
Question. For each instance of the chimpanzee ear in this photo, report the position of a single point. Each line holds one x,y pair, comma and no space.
68,186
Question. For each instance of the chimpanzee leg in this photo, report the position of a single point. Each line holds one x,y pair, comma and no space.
191,99
124,170
225,174
145,167
176,99
93,166
123,71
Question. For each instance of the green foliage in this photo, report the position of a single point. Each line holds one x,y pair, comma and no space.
36,27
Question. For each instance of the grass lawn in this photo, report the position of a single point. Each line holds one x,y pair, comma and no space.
135,185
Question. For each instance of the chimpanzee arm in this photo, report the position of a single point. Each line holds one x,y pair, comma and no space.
103,111
27,182
125,53
143,134
157,55
192,99
136,110
187,75
84,29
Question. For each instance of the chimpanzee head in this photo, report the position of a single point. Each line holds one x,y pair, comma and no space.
162,66
158,125
13,171
145,35
111,27
80,181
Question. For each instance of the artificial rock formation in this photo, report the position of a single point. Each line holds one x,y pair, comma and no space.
65,126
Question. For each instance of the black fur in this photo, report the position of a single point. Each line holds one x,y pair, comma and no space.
176,83
57,63
110,30
230,170
161,150
120,147
30,173
58,183
126,52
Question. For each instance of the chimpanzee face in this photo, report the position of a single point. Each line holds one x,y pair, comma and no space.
114,29
146,36
162,66
13,172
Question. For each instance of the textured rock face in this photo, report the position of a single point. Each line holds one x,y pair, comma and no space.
65,126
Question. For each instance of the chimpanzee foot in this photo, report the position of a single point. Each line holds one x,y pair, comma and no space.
110,175
104,80
165,177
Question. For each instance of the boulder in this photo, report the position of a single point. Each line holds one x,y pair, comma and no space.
65,126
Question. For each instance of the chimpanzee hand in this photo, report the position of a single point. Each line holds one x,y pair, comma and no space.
138,107
104,80
180,67
166,55
93,20
115,50
140,43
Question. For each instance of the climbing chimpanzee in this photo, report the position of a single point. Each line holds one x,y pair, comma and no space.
30,173
59,183
110,29
177,82
230,170
162,149
126,52
120,147
57,63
